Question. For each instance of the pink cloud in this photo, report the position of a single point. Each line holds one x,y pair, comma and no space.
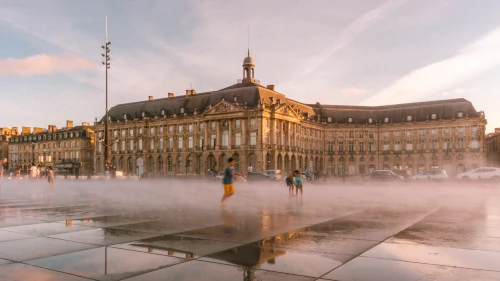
44,64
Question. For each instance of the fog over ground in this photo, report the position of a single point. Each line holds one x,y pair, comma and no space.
318,199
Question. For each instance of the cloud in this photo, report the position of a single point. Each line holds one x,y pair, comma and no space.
353,92
44,64
472,60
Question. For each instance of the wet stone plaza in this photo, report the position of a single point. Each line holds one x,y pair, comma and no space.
177,230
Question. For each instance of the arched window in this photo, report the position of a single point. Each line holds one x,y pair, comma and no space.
169,164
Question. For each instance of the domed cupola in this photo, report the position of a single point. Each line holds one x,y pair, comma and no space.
248,69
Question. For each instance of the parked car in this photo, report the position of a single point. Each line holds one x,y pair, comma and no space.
258,177
486,173
275,174
385,175
402,173
432,175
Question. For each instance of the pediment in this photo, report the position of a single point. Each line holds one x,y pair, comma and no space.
286,110
222,107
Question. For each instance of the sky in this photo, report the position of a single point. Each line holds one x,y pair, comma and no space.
355,52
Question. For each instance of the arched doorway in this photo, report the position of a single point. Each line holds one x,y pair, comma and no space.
236,158
251,161
301,164
321,164
161,169
268,161
317,166
113,161
280,162
306,163
140,166
222,161
121,165
170,164
294,163
130,166
189,164
151,166
98,166
287,164
199,164
178,165
211,162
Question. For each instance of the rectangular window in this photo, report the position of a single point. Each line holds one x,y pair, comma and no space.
397,134
460,143
213,126
115,134
179,129
460,130
371,147
421,144
408,133
124,133
131,132
372,135
386,134
131,145
361,135
123,145
190,128
253,122
266,139
170,143
152,131
140,132
433,132
180,143
341,135
170,164
421,133
409,145
341,146
446,144
237,139
115,146
139,144
397,145
446,131
474,144
213,140
190,142
253,138
201,142
473,130
237,123
160,130
161,143
170,129
434,144
386,146
351,146
151,144
361,147
202,126
99,147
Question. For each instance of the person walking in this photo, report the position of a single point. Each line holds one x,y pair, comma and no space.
50,176
228,181
290,183
33,171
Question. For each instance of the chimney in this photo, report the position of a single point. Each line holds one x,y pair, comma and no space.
26,130
150,97
49,129
85,124
188,92
193,92
270,87
69,124
170,95
37,130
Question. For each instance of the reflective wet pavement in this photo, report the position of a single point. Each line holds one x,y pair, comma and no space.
282,239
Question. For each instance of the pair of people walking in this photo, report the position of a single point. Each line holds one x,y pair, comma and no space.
294,180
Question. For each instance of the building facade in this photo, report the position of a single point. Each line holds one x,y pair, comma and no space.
5,135
493,148
262,128
68,150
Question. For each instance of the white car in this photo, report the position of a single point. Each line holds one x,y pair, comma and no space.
485,173
432,175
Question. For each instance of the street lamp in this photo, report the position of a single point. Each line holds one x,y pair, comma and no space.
106,63
33,144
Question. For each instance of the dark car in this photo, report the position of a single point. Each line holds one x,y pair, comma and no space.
385,175
402,173
250,177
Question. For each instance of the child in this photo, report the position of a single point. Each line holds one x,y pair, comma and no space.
228,181
298,182
289,182
50,177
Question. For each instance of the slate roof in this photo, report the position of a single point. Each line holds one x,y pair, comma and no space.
249,94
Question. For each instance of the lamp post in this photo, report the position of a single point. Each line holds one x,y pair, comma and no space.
33,144
106,63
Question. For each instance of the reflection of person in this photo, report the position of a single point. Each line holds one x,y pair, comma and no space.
228,181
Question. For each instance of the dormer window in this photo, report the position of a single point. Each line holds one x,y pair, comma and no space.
370,120
272,99
434,116
223,99
109,118
329,119
349,120
143,114
460,114
182,110
162,112
125,116
408,118
235,98
386,120
278,101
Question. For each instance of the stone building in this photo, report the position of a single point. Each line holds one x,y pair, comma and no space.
261,127
5,135
493,148
69,150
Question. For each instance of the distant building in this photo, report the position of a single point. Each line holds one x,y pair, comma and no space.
69,150
5,135
258,126
493,148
